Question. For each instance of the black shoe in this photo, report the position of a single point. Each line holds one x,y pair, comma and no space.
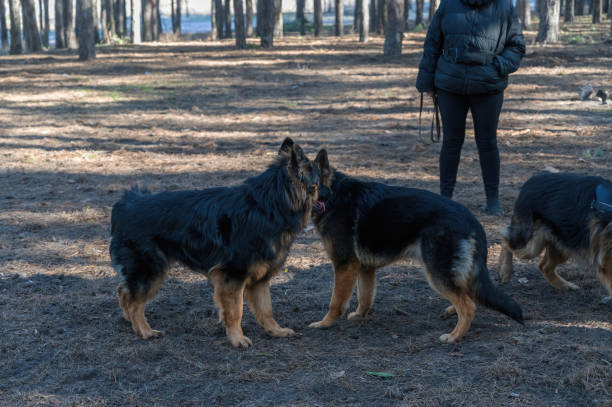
493,207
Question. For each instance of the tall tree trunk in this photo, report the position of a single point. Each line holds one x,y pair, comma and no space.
373,19
569,11
69,17
239,25
119,15
249,17
96,19
433,6
609,9
45,23
227,19
60,39
357,16
31,33
525,13
381,15
136,21
318,18
158,23
108,22
220,12
364,21
87,43
15,18
213,21
394,27
418,17
579,7
147,20
176,16
266,18
596,11
3,27
339,26
548,30
407,5
278,15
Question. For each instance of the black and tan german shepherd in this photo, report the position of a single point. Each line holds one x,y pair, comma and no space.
368,225
566,216
240,236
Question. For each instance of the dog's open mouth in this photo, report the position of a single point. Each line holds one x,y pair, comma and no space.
319,207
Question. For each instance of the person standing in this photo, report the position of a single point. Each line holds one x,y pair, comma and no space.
470,49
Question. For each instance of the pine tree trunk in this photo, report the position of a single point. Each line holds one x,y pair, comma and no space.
158,23
15,17
549,22
119,15
525,13
407,4
227,19
60,40
108,22
318,18
373,19
239,25
220,10
136,25
596,11
213,20
569,11
356,16
3,27
266,18
69,17
96,18
176,17
418,17
30,27
381,10
579,7
339,26
87,43
249,18
278,16
364,21
394,27
147,20
433,6
45,23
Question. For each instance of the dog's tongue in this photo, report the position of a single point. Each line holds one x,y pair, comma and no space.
320,206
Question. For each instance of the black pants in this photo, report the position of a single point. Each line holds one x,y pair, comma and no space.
485,115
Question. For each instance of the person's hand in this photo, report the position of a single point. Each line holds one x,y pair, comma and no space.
430,94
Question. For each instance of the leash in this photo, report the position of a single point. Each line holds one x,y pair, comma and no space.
435,118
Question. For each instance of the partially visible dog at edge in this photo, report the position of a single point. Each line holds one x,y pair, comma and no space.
239,236
566,216
368,225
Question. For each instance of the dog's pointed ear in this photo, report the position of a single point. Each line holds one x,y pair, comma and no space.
322,161
286,147
299,153
294,162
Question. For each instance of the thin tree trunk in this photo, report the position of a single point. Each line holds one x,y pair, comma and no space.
45,23
239,25
147,20
339,26
373,20
357,16
60,40
15,18
525,13
318,18
433,6
259,23
220,11
364,21
418,17
136,21
87,43
278,16
596,11
31,33
265,23
108,22
176,17
213,21
579,8
249,17
69,17
96,19
381,16
3,27
119,14
158,24
609,9
394,27
549,22
569,11
227,15
407,5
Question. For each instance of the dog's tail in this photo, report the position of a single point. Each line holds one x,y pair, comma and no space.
493,297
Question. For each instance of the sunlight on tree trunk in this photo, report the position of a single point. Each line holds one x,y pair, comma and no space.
249,18
3,26
69,17
31,33
135,26
15,18
339,25
364,22
548,31
278,18
318,18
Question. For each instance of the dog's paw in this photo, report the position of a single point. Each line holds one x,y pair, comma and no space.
355,315
447,338
281,332
448,312
321,324
152,333
240,341
571,286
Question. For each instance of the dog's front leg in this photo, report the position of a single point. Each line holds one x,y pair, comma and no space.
228,299
259,301
345,277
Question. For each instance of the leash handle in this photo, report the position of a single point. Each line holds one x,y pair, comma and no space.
435,119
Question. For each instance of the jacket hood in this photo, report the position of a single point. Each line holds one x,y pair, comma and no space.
477,3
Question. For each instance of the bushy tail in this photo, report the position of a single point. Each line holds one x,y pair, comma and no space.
492,297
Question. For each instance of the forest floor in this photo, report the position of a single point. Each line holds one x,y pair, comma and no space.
170,116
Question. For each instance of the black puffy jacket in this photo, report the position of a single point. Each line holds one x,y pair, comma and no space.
471,47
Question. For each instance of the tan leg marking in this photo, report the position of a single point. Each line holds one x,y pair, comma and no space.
366,288
466,309
124,295
228,298
449,312
605,276
505,262
552,258
133,308
345,277
260,303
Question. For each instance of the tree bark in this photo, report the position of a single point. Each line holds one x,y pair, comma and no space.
176,17
418,17
265,23
549,22
213,21
45,23
525,13
220,12
119,17
87,43
569,11
433,6
579,7
373,19
339,26
148,13
239,25
596,11
318,18
136,21
249,18
158,23
108,22
394,27
364,21
278,16
3,26
15,17
227,19
60,40
69,17
96,19
31,33
381,15
407,4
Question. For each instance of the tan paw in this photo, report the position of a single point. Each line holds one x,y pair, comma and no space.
447,338
151,333
240,341
324,323
281,332
570,286
448,312
356,315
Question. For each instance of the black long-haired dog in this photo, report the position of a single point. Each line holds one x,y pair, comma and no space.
568,216
368,225
240,236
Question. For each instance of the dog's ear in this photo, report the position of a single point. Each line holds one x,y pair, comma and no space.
286,147
294,163
299,153
322,161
